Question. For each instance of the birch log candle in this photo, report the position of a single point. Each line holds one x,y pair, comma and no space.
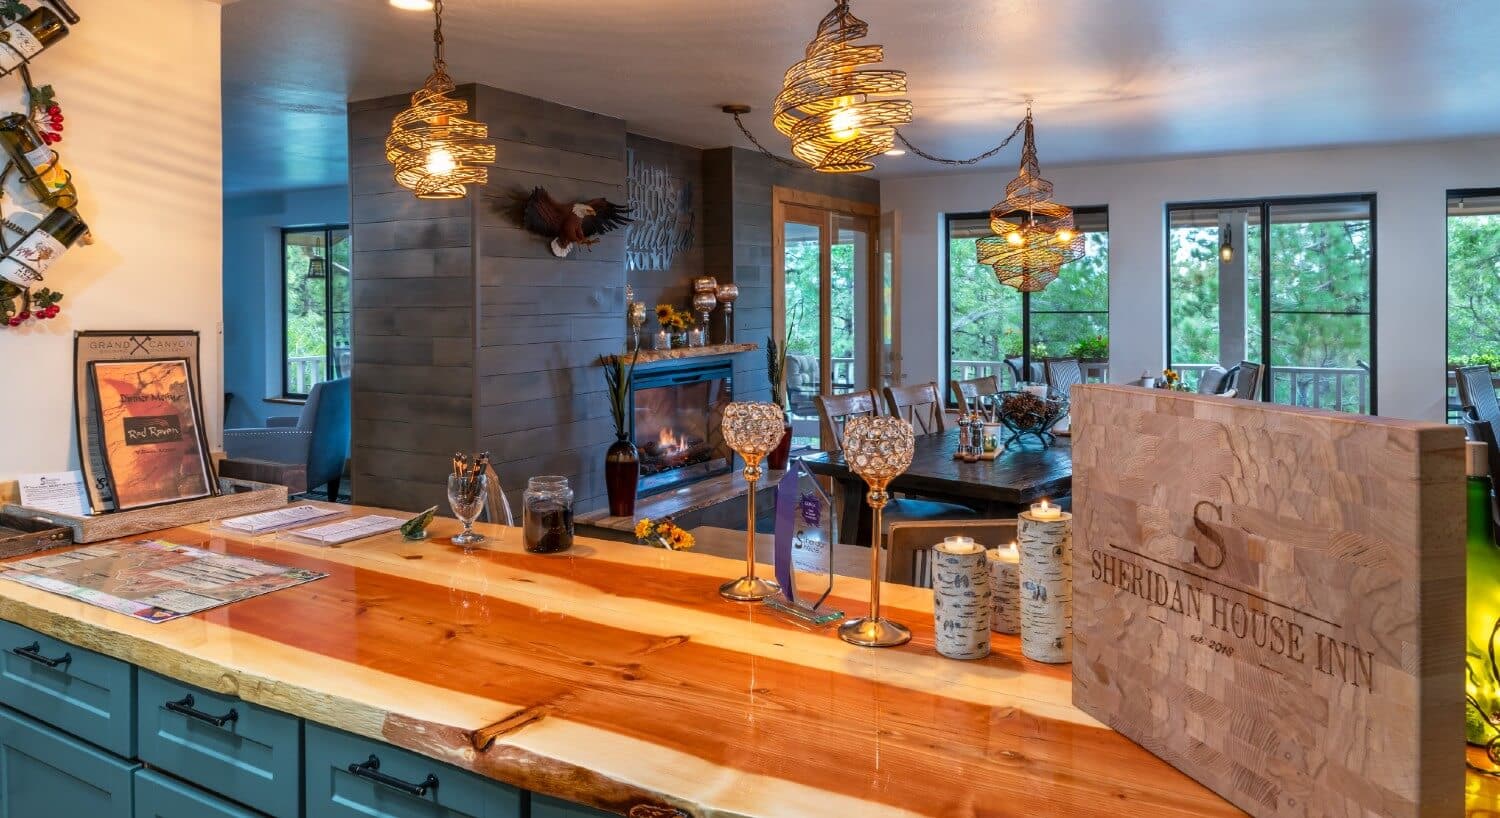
1004,565
960,599
1046,586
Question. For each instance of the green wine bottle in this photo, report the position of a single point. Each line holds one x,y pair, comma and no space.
26,264
28,37
37,162
1483,588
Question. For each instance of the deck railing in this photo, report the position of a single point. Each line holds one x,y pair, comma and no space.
1342,389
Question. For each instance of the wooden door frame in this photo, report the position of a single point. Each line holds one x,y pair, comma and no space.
784,199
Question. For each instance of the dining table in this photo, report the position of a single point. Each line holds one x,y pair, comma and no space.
1019,476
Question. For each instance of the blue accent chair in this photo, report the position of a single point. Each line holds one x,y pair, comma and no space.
318,438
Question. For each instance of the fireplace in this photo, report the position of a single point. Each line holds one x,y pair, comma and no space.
676,409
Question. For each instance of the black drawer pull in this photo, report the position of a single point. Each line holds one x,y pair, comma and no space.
33,652
184,706
371,769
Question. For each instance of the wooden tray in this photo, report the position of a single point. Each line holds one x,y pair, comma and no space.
238,497
26,535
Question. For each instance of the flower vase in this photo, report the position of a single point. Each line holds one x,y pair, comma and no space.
622,474
679,340
777,459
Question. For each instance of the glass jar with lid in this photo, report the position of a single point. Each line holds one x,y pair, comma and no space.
547,515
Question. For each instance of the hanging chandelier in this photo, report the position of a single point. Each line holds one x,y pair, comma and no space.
434,150
837,114
1034,236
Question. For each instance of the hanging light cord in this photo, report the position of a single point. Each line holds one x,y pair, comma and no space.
973,160
439,65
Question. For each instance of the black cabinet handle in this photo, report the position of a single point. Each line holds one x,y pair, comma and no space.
371,769
33,652
184,706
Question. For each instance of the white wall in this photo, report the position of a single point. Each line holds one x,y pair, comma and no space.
252,291
1410,183
139,88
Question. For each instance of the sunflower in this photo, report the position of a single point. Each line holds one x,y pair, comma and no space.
680,540
643,528
664,313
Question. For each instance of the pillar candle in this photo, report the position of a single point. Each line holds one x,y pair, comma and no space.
960,599
1046,588
1005,589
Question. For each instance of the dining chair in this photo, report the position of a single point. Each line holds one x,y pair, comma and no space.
835,410
909,559
1247,378
1062,373
966,393
920,404
1213,380
1481,408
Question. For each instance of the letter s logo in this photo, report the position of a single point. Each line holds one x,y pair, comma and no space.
1209,534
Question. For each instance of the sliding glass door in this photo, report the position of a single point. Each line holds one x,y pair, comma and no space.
1288,282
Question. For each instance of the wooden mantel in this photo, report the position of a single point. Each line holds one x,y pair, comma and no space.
651,356
616,676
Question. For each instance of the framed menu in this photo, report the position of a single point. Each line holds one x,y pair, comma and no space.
151,432
117,345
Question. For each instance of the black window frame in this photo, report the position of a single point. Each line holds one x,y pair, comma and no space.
946,234
1263,207
327,231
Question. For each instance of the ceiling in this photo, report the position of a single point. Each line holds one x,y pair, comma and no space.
1111,80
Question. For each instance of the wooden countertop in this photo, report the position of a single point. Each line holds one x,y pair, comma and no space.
615,676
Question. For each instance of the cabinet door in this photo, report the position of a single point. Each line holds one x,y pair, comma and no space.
158,796
45,772
543,806
353,777
87,694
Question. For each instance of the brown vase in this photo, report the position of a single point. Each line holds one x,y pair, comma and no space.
622,473
777,459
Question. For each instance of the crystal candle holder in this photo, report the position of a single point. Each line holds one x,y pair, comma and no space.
752,430
878,449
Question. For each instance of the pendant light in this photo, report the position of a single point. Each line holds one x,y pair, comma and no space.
1226,247
317,267
837,114
1034,236
434,150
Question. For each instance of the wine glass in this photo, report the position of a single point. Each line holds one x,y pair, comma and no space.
752,429
879,449
466,495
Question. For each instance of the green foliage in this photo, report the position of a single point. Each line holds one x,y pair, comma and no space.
305,300
617,377
776,370
1474,290
985,318
1095,347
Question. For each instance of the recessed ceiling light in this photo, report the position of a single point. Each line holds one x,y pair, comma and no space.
413,5
895,152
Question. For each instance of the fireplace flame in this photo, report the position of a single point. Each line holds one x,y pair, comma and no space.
669,442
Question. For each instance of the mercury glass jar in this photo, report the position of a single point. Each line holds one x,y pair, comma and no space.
547,515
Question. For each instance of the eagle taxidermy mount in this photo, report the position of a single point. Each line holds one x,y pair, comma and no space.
567,225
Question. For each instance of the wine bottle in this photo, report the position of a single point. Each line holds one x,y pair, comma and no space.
26,264
28,37
1483,609
37,162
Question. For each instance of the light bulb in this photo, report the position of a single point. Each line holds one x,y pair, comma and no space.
440,162
895,152
1015,238
845,123
1226,253
1065,234
413,5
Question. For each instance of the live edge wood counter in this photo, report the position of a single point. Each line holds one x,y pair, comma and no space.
615,676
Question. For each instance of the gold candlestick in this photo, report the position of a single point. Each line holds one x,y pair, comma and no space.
879,449
752,430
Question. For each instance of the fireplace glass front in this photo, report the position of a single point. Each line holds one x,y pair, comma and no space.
676,418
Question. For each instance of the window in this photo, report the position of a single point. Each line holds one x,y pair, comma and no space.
997,330
1299,296
1473,281
315,307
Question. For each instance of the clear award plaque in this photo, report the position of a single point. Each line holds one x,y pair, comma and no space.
805,534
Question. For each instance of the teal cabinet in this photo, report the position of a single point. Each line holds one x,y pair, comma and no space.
546,807
45,773
353,777
245,752
158,796
87,694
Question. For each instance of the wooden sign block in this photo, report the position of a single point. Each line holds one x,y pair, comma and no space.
1271,599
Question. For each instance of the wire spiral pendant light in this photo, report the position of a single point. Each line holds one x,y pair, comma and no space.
434,150
1034,236
835,112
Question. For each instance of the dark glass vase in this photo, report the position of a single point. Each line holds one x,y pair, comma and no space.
777,459
622,473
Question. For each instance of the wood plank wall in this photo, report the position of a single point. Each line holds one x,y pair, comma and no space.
413,294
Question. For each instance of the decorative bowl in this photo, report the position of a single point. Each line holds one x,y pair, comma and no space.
1027,414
